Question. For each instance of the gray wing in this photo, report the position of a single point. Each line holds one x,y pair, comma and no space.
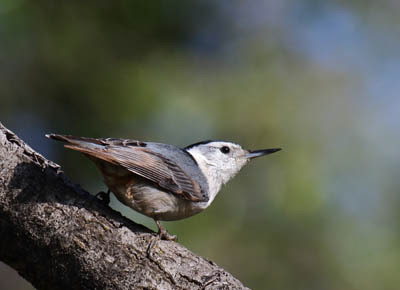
135,157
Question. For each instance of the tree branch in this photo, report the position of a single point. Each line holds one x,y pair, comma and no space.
58,236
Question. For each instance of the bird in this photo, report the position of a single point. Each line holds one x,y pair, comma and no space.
162,181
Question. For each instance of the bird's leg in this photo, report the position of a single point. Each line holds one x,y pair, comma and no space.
104,197
163,234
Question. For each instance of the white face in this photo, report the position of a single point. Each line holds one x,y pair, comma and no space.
222,159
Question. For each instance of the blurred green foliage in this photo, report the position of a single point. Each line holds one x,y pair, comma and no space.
317,78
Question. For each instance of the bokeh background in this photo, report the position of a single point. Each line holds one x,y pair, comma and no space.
319,78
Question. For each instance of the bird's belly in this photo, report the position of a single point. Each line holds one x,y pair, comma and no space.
142,196
155,203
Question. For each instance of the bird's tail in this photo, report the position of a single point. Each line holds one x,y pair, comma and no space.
74,142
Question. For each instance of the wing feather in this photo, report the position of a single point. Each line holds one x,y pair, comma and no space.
143,162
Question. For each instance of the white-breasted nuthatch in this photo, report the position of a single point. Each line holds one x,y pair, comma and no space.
163,181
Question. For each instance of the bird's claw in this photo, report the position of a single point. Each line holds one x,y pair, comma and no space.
161,235
164,235
104,197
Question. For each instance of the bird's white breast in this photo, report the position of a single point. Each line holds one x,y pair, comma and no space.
210,171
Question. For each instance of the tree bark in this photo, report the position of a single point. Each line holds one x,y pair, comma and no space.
58,236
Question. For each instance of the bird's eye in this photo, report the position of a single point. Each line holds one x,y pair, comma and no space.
225,149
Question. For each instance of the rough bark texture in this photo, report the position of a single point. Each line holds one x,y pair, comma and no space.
57,236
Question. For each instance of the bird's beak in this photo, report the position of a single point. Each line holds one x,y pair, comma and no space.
262,152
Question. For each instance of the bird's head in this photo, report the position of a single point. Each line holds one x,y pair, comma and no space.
221,160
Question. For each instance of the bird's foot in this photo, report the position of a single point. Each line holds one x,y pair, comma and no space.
104,197
163,234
